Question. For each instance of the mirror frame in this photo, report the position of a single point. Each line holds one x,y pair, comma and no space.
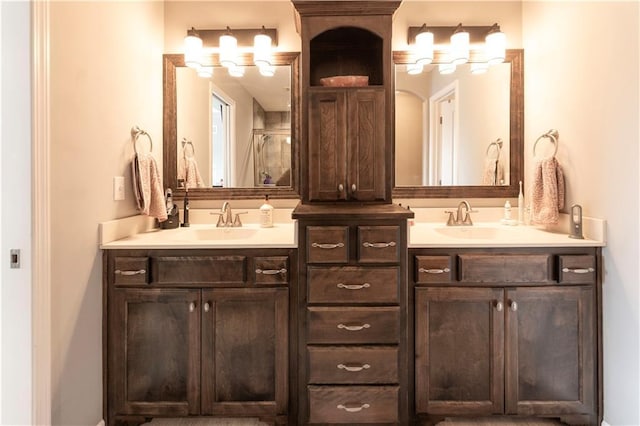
516,140
170,139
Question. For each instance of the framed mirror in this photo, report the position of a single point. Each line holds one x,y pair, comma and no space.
459,135
231,137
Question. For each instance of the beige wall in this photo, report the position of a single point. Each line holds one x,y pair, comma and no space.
585,84
103,82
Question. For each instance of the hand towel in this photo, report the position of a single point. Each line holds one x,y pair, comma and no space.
147,187
492,172
547,192
192,176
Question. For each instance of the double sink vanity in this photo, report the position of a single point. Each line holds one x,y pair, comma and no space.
353,309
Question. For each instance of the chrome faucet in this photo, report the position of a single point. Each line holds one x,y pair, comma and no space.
461,220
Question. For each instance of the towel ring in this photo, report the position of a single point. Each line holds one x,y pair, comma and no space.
185,142
498,144
553,136
135,134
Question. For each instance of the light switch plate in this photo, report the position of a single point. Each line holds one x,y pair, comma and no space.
118,188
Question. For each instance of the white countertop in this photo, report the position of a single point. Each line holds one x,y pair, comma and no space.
426,230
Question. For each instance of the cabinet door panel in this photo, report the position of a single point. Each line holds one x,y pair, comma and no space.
327,147
550,351
244,351
459,351
366,143
155,350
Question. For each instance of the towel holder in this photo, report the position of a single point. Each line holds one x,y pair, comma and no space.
498,144
186,142
552,135
135,134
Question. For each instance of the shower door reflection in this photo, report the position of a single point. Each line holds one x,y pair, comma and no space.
272,157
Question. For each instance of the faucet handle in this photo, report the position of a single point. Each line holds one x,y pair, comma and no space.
221,221
467,218
451,220
236,222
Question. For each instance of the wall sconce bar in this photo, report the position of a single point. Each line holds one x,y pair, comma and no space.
210,38
442,35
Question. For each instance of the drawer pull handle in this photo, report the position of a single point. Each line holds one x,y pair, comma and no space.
353,286
129,273
353,327
434,271
354,368
578,270
271,271
379,245
192,306
352,409
327,246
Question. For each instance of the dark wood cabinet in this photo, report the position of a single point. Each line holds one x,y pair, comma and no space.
218,347
346,144
525,346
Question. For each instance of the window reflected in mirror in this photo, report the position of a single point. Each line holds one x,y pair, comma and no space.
233,132
447,127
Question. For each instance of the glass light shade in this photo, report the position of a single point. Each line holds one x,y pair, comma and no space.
267,70
495,47
414,69
479,67
236,71
205,72
192,50
262,50
459,51
424,48
447,68
228,50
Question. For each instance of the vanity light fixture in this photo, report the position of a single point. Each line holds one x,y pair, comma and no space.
262,49
459,49
192,49
267,70
447,68
414,69
458,45
228,49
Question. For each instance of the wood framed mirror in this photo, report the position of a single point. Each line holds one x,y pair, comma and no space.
261,158
506,123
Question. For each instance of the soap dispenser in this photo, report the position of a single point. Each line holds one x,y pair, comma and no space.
266,213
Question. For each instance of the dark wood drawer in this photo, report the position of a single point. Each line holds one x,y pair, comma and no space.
505,268
271,270
353,404
353,326
200,270
352,284
378,243
327,244
353,365
130,271
433,269
577,269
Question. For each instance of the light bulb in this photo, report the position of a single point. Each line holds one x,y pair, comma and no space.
262,49
192,49
459,46
424,47
228,50
495,46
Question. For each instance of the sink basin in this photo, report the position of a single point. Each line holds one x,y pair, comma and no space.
218,233
474,232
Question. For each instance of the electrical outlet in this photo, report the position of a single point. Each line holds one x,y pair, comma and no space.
118,188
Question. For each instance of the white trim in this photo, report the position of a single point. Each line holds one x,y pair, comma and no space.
604,423
41,219
1,285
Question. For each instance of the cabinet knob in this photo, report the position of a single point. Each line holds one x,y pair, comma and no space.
192,306
207,307
499,306
353,187
513,305
340,187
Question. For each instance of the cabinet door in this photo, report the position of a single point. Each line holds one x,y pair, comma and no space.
244,351
154,352
550,351
459,350
327,145
366,144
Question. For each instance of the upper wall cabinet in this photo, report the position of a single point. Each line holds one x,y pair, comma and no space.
347,100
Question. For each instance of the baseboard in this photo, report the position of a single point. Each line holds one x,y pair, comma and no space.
101,423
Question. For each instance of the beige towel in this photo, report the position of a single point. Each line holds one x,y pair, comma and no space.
189,173
147,187
547,192
493,172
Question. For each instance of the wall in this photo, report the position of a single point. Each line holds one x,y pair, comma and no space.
103,82
581,77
